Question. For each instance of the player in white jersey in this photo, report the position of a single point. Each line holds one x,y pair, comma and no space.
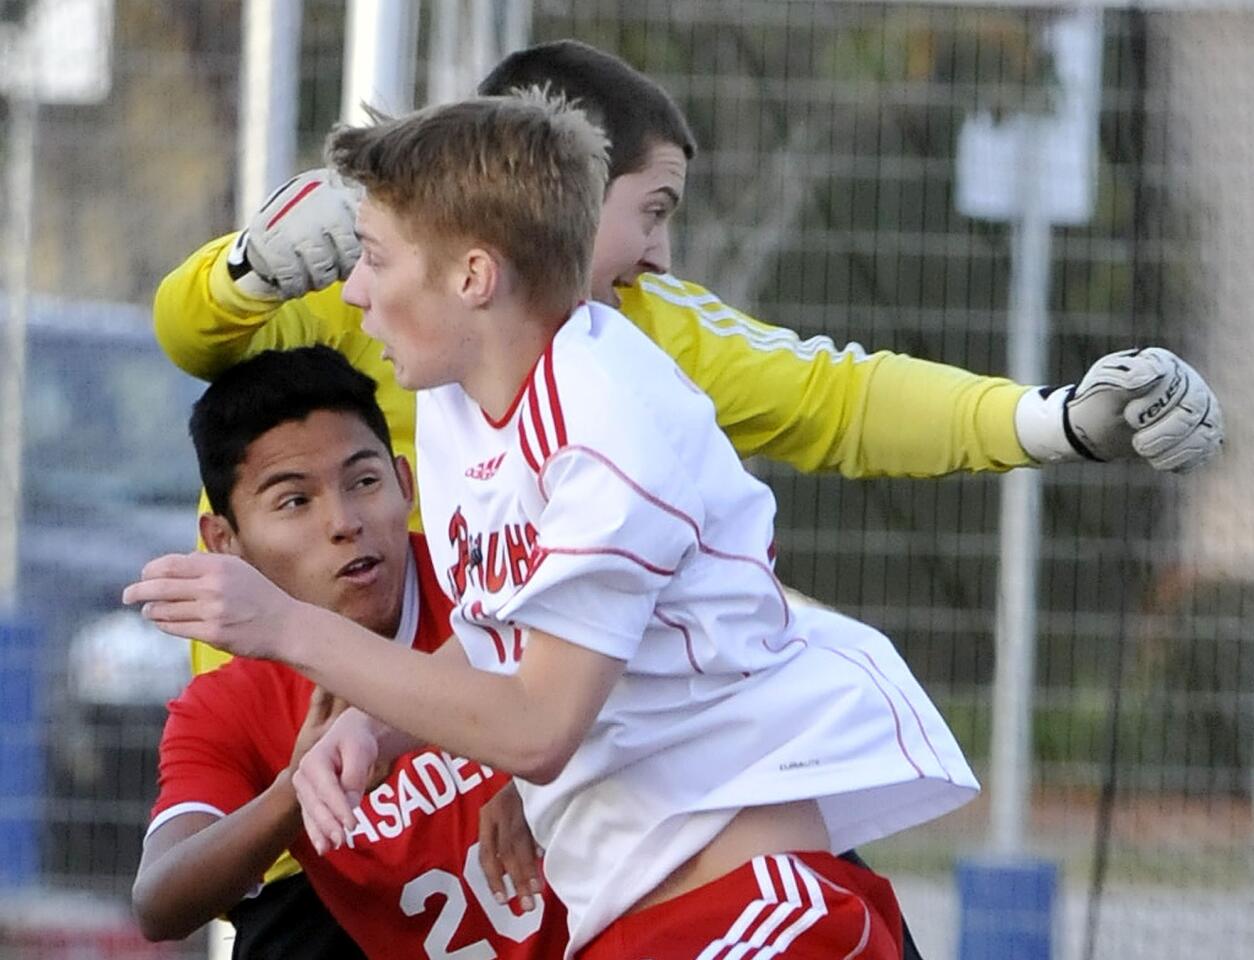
651,546
691,744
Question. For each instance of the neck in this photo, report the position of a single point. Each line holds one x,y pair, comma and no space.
513,340
388,625
393,624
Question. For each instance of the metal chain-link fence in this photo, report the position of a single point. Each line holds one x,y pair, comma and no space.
822,199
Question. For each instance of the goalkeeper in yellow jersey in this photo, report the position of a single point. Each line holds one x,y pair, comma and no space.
809,403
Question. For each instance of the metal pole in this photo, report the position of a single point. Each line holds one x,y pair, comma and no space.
1011,751
516,32
20,163
380,64
444,53
269,91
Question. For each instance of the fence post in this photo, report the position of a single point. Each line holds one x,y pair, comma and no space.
21,759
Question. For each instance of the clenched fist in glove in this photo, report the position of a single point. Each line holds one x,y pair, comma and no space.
301,239
1147,403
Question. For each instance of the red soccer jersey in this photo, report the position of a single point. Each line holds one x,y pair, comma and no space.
408,879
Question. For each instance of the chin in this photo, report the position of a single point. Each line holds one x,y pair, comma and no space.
370,616
609,296
407,378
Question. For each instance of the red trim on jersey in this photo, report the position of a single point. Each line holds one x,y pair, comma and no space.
550,382
786,644
541,553
673,511
533,407
917,719
526,449
887,699
303,192
687,638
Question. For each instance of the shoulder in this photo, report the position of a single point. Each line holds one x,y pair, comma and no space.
661,304
240,687
665,291
694,325
601,352
607,407
603,377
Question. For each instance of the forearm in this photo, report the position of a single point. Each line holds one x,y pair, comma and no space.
923,419
201,322
495,719
205,874
883,415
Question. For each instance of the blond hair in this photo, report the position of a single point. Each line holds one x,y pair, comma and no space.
523,176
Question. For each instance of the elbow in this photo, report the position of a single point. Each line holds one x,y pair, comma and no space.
150,926
153,931
543,760
154,923
165,311
539,774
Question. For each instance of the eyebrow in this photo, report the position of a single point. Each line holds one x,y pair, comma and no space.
295,475
365,453
670,192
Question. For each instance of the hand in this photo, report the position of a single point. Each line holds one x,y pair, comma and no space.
217,598
302,239
1175,420
324,708
334,775
508,852
1147,403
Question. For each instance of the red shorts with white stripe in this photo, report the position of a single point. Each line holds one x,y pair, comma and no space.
796,905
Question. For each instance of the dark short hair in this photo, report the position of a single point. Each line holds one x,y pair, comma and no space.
635,113
261,393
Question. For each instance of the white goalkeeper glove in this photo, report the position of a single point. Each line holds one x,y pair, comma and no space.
1147,403
303,238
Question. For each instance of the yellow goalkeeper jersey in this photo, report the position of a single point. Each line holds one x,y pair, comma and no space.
808,402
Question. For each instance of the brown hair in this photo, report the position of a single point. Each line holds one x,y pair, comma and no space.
523,176
635,113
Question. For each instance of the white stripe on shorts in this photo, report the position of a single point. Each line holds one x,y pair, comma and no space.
791,870
866,911
784,923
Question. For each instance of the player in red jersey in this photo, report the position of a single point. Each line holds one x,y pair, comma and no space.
296,459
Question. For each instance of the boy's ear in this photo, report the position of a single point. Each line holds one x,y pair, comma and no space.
405,477
479,277
218,534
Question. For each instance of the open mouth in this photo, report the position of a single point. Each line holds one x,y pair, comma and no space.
359,568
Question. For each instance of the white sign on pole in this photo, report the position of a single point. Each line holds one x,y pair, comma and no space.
991,160
68,52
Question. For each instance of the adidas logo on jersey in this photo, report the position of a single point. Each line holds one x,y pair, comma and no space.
486,470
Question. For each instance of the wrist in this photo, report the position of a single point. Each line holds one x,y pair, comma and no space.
282,790
296,634
234,285
280,798
1042,427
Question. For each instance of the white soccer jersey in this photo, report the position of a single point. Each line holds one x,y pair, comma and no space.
607,509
